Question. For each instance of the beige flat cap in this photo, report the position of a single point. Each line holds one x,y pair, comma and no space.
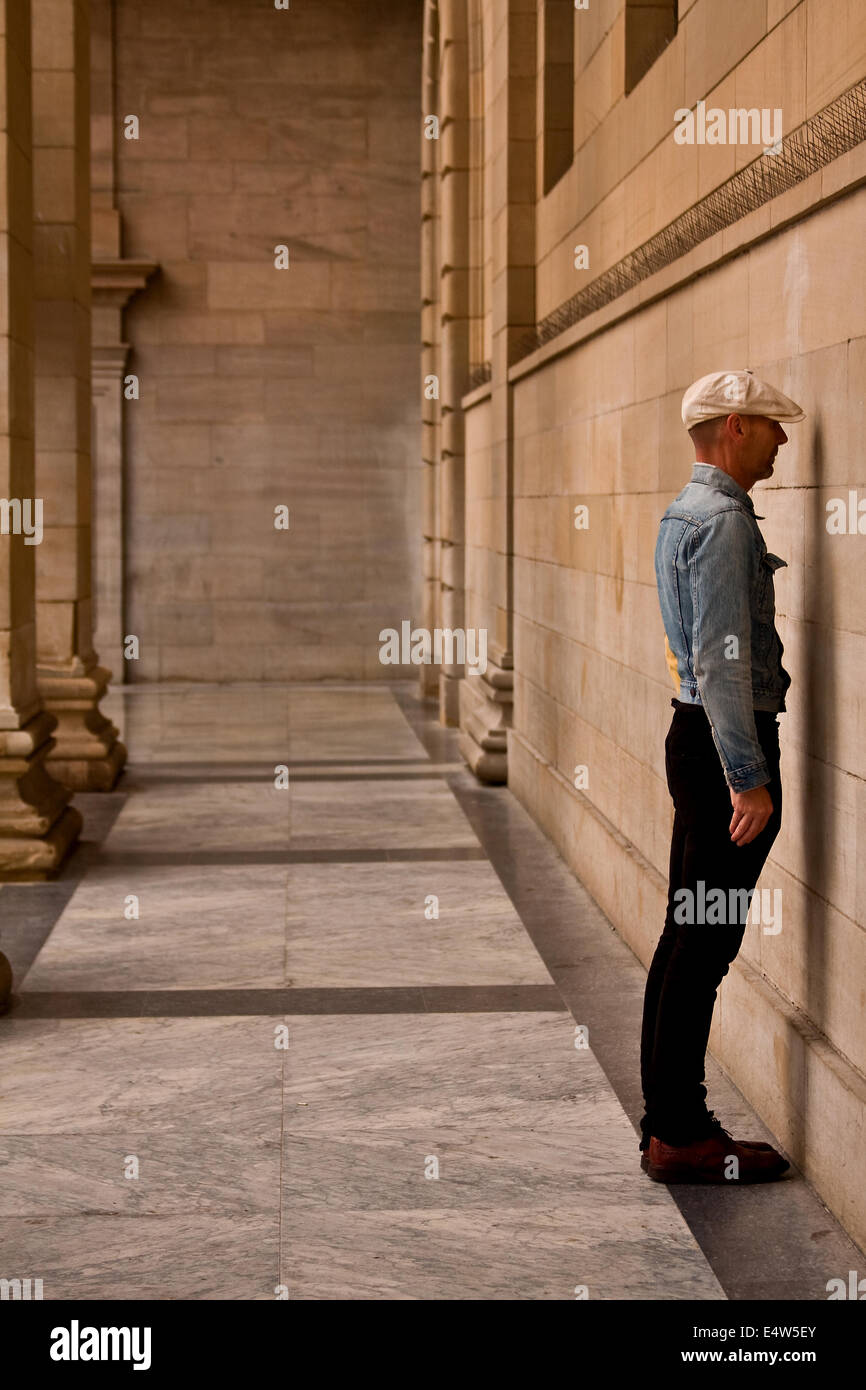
737,393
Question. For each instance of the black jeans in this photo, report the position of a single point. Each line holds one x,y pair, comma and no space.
695,951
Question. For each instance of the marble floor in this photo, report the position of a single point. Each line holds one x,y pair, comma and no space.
318,1042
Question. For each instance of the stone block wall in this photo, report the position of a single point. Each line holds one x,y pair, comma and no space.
596,424
260,386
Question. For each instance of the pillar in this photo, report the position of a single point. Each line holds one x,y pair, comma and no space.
114,281
37,825
428,679
88,754
486,701
454,319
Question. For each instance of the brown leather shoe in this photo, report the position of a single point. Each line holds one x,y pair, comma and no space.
708,1161
741,1143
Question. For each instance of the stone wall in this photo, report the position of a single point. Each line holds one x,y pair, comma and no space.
262,386
596,423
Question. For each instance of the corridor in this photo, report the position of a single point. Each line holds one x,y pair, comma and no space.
318,1041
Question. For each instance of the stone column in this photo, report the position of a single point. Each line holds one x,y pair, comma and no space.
114,281
88,754
486,701
113,285
454,298
428,680
109,363
37,826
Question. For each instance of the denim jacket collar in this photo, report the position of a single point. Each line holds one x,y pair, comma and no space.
723,482
711,476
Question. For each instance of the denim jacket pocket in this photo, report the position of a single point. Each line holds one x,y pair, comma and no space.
766,592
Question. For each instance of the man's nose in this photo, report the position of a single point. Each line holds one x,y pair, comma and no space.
780,434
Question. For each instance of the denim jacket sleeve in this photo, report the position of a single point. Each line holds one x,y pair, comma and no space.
722,566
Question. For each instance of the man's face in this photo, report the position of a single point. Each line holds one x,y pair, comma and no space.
761,441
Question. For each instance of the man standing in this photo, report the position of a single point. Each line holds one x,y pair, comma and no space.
716,589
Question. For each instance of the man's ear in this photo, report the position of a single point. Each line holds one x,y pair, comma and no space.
734,426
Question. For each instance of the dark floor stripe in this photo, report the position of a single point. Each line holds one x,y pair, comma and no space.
202,1003
240,764
428,775
109,857
147,779
214,768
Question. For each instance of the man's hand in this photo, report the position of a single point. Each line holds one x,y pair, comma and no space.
752,810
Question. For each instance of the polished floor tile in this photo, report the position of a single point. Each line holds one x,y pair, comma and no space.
217,927
183,1256
430,1140
493,1166
328,725
249,815
98,1076
584,1249
438,1069
201,723
139,1172
373,924
418,813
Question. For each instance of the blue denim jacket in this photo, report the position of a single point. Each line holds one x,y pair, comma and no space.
718,602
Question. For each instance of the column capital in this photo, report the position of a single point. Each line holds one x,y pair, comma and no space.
114,282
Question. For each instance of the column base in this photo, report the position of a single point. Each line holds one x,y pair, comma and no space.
34,861
38,827
485,718
428,682
449,700
91,774
87,755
